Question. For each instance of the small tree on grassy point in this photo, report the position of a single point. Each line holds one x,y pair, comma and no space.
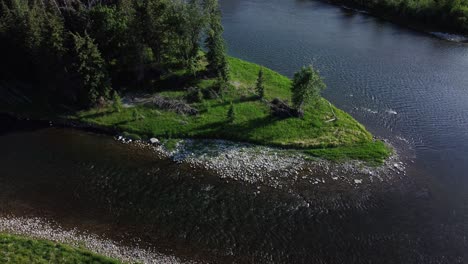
306,87
231,114
259,87
116,102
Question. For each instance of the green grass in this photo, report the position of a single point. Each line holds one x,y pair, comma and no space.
342,139
20,250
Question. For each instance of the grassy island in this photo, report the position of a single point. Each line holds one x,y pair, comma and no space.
17,249
89,61
343,138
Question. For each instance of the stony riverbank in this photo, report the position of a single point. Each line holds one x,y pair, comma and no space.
273,167
42,229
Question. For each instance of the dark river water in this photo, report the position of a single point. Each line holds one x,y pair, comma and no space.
403,85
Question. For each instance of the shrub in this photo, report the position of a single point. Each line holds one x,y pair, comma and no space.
194,95
306,87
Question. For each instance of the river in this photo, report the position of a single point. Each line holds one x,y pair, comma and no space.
403,85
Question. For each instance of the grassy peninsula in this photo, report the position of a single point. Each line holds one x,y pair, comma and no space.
343,138
18,249
79,60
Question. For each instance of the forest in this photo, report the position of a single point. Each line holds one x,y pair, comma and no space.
444,15
76,53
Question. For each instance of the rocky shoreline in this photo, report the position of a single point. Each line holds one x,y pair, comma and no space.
268,166
250,163
255,164
38,228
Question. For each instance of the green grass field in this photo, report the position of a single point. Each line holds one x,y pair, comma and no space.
342,139
21,250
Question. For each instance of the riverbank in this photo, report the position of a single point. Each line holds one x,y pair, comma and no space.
268,166
444,33
33,240
255,164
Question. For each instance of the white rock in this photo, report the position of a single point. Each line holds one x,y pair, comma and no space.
357,181
154,141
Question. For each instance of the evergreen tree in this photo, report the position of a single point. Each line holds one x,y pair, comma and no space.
220,85
307,85
216,55
89,69
108,26
189,21
231,114
259,87
116,102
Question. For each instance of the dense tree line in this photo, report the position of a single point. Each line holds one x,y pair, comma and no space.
79,52
449,15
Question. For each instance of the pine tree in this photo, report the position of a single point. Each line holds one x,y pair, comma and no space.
116,102
231,114
259,88
89,67
220,85
216,55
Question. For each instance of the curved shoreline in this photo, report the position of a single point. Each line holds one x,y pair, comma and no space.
271,166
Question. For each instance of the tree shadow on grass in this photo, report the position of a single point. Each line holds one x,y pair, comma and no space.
175,82
238,131
243,99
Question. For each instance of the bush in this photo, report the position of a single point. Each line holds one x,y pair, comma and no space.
306,87
194,95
